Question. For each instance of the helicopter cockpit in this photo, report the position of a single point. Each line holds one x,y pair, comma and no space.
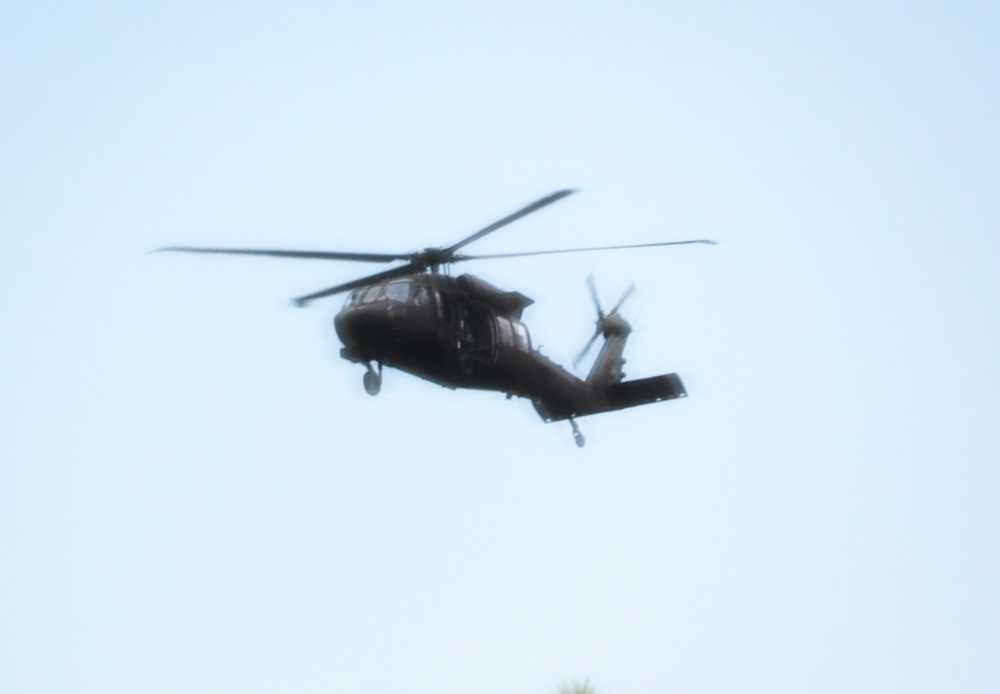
399,292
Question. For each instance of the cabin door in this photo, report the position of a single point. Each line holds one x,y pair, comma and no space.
482,342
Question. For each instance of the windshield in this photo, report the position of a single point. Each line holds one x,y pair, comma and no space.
395,291
354,297
398,291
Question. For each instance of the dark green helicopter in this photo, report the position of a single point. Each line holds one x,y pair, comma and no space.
462,332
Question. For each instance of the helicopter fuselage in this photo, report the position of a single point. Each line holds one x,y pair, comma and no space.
462,332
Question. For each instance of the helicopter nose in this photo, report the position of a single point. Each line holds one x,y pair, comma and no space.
361,328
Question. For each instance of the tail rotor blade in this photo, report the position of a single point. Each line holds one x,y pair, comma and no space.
590,343
593,295
627,294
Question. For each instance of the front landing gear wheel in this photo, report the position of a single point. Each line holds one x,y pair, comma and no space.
577,434
373,381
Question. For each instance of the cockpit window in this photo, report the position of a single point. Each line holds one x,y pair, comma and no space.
353,298
371,294
398,291
394,291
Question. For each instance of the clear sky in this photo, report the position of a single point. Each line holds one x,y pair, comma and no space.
196,495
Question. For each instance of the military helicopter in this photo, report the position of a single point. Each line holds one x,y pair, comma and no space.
462,332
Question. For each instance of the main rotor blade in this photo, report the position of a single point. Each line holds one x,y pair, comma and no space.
492,256
627,294
408,269
524,211
313,255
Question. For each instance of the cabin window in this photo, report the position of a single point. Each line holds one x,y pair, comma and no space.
437,301
521,338
398,291
505,335
422,298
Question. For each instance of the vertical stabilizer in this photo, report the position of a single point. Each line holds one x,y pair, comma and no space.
607,368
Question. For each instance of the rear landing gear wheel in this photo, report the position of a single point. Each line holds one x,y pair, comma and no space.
577,435
373,380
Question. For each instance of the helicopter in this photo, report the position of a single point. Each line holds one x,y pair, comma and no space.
463,332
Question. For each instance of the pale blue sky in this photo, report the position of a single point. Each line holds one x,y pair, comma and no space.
196,494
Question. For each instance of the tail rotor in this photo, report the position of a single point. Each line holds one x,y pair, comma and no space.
605,321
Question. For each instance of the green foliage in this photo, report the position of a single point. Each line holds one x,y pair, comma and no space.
579,688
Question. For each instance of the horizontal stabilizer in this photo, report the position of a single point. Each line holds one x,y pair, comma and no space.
645,391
